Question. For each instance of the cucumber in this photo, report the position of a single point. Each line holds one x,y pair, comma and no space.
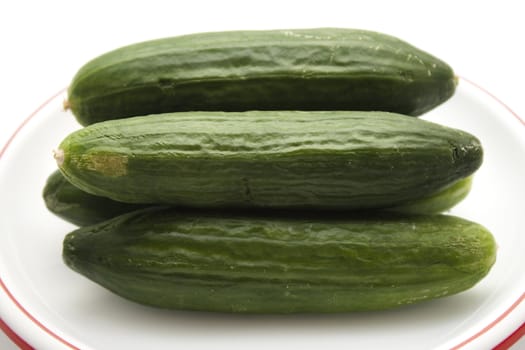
307,69
78,207
82,209
279,159
272,263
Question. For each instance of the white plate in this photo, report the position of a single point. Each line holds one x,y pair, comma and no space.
52,307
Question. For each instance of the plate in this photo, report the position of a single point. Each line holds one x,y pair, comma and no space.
50,306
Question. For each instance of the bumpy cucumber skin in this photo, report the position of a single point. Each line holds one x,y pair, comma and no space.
308,69
78,207
271,263
286,159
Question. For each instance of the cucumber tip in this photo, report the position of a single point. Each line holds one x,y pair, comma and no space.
58,154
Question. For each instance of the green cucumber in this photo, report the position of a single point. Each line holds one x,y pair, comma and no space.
78,207
308,69
82,209
279,159
272,263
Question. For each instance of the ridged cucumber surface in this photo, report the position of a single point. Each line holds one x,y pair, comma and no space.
303,69
259,263
277,159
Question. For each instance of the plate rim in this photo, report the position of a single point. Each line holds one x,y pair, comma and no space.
507,342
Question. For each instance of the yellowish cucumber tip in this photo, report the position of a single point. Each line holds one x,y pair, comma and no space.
66,105
58,154
456,80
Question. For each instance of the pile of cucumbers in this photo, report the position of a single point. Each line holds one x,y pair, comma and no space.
268,172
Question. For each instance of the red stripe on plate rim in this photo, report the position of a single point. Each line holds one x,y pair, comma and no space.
505,344
9,332
15,338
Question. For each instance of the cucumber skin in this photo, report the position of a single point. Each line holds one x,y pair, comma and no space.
271,263
82,209
285,159
78,207
306,69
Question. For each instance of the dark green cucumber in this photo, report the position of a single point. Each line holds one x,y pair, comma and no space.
292,159
81,208
308,69
78,207
262,263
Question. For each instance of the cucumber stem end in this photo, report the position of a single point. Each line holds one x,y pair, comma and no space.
58,154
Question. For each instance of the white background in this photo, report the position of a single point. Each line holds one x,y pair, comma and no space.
43,43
